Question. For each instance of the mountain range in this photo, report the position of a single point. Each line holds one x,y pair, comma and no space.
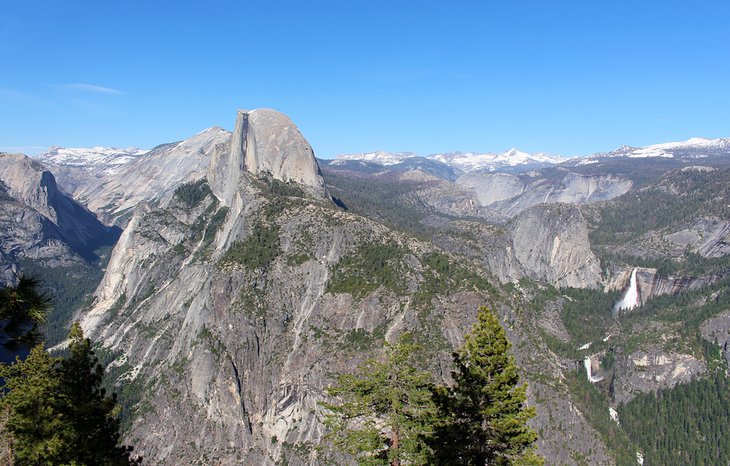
515,160
108,159
245,274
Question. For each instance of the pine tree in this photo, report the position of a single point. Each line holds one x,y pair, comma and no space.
385,410
92,415
56,411
36,406
484,413
22,309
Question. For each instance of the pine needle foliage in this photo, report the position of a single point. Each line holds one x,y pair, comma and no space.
384,411
22,310
93,416
56,412
483,415
34,397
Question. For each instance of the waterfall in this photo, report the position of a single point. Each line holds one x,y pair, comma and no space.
631,297
587,363
613,413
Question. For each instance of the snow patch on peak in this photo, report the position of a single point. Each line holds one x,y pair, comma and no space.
85,156
692,141
670,149
466,161
493,161
380,157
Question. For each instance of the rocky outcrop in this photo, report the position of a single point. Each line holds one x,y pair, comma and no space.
151,178
651,369
708,237
511,194
264,141
650,284
40,222
445,197
47,235
30,183
717,330
547,243
492,187
550,243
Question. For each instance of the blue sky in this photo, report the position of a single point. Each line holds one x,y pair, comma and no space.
570,78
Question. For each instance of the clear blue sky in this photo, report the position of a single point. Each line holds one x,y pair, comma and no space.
570,77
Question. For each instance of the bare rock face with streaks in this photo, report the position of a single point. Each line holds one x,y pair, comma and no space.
717,330
40,222
548,243
651,369
264,141
510,194
152,177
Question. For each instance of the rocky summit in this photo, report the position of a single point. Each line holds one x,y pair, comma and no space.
42,222
264,141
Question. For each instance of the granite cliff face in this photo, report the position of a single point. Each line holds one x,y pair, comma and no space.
707,236
226,309
510,194
40,222
264,141
232,349
717,330
47,235
651,369
152,177
447,198
546,243
551,244
650,284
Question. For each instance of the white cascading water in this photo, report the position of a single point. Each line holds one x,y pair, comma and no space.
631,298
613,413
587,363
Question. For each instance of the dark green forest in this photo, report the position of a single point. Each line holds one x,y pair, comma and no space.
670,201
686,425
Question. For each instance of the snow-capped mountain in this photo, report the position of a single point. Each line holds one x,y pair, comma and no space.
86,156
514,160
468,161
74,167
691,148
464,161
379,157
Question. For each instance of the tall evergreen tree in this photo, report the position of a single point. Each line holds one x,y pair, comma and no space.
384,411
36,405
92,415
56,411
484,417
